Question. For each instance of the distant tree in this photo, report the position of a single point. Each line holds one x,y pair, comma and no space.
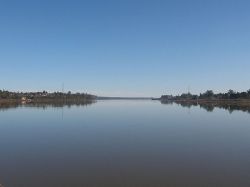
231,92
195,97
242,95
186,96
5,95
207,94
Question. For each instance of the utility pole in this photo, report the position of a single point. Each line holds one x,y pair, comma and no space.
188,89
63,92
63,87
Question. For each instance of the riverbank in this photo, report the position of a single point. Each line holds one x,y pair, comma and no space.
208,104
45,100
10,101
239,102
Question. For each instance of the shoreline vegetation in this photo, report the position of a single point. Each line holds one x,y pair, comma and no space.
44,97
209,96
230,101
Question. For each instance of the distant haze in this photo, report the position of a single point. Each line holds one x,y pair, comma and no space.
125,48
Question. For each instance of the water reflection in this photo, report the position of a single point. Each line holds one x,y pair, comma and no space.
44,105
123,143
210,106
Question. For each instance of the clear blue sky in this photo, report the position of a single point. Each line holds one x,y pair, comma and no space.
125,47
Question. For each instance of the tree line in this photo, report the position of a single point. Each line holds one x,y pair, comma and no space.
209,94
45,95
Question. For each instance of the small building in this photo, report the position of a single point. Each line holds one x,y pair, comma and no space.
24,99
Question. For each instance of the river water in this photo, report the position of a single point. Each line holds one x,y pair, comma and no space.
124,143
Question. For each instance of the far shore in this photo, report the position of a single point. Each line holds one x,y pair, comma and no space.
45,100
239,102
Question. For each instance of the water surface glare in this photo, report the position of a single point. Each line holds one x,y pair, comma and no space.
124,144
